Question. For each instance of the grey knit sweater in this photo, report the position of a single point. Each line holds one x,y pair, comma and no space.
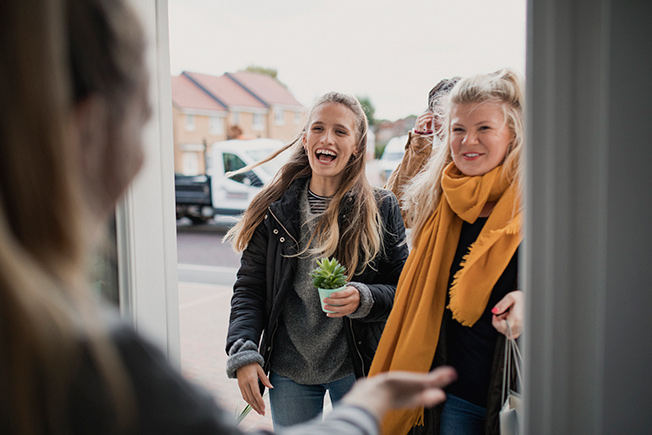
310,347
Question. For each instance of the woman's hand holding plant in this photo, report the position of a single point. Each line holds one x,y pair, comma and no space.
343,302
330,274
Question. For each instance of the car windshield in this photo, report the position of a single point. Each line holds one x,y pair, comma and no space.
395,148
394,155
272,166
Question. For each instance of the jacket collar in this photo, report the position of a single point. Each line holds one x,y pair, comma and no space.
288,211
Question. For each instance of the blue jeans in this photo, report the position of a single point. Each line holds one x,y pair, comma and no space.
460,417
294,403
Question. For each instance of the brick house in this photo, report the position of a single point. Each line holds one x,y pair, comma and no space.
198,120
206,109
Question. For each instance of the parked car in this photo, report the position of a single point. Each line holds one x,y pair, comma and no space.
201,197
392,156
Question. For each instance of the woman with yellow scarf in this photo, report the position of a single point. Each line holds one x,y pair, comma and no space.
458,288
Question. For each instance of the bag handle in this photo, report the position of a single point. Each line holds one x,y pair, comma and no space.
514,358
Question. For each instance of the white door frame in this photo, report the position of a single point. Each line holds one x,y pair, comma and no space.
146,224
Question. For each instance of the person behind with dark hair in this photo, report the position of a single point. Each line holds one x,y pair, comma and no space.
74,87
319,205
459,288
422,140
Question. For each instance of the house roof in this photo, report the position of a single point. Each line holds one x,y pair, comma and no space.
265,87
186,95
225,90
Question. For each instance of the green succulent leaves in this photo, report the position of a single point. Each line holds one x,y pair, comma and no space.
328,274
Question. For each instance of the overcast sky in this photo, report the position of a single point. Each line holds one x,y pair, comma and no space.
392,51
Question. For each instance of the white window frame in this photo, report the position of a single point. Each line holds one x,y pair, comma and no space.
190,163
216,125
258,122
279,116
190,123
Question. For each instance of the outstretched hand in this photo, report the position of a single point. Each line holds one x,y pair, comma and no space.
399,390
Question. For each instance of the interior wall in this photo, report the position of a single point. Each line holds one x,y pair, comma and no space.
627,403
588,256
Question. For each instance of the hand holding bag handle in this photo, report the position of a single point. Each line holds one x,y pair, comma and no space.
512,407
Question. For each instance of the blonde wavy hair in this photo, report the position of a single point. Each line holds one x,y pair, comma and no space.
355,243
505,88
49,322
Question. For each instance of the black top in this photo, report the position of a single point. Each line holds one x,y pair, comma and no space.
165,403
471,349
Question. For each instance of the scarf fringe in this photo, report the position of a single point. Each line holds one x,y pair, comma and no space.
501,227
419,420
477,251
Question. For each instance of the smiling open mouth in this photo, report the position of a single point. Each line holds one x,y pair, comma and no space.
325,156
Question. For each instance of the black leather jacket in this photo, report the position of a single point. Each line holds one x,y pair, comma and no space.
268,268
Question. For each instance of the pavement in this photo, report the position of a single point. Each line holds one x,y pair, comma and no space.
203,323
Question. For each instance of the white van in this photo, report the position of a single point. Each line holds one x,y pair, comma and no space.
232,195
202,197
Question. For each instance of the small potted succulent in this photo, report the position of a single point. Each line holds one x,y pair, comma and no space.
329,277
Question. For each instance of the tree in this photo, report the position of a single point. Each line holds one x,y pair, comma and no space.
369,109
272,72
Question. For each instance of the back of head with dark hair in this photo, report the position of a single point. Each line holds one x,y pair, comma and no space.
442,88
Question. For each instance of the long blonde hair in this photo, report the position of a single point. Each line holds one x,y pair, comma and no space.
48,319
504,87
362,231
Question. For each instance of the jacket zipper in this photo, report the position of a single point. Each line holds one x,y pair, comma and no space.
271,342
355,345
271,348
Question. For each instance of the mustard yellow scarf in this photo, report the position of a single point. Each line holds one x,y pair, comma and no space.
412,331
